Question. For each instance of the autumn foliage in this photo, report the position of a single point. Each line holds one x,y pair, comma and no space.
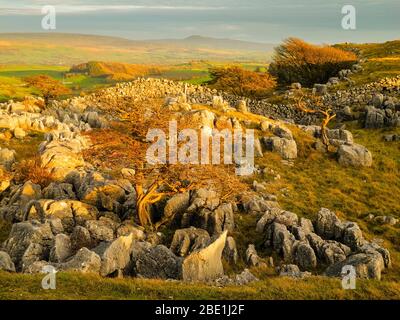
241,82
298,61
49,87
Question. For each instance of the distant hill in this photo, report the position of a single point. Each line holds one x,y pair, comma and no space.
69,49
222,44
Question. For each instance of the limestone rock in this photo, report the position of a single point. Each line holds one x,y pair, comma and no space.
205,265
286,148
354,155
186,241
61,249
6,263
368,266
155,262
85,261
115,256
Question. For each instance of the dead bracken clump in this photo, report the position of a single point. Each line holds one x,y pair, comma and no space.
32,170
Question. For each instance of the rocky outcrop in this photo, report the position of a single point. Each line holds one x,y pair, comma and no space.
154,262
328,242
186,241
206,212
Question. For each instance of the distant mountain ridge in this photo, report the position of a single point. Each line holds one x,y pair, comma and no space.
68,49
221,43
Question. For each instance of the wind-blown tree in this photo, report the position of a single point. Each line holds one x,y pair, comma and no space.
241,82
125,145
313,104
48,87
298,61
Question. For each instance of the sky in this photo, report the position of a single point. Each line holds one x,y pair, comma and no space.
267,21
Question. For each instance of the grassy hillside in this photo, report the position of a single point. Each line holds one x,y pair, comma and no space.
381,60
12,85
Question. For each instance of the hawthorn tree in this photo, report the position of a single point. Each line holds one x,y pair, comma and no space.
313,104
48,87
298,61
125,145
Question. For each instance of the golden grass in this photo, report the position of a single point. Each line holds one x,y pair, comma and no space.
89,286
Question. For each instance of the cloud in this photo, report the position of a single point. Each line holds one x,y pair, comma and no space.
82,9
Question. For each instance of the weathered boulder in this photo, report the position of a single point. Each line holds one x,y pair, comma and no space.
281,240
61,160
102,192
80,238
66,210
154,262
351,235
94,120
354,155
186,241
339,136
304,256
203,198
367,266
127,227
62,248
28,242
177,204
6,263
116,255
254,204
101,230
375,118
326,224
85,261
328,251
321,89
205,265
285,147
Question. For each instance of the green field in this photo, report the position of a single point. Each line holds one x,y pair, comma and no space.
12,85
